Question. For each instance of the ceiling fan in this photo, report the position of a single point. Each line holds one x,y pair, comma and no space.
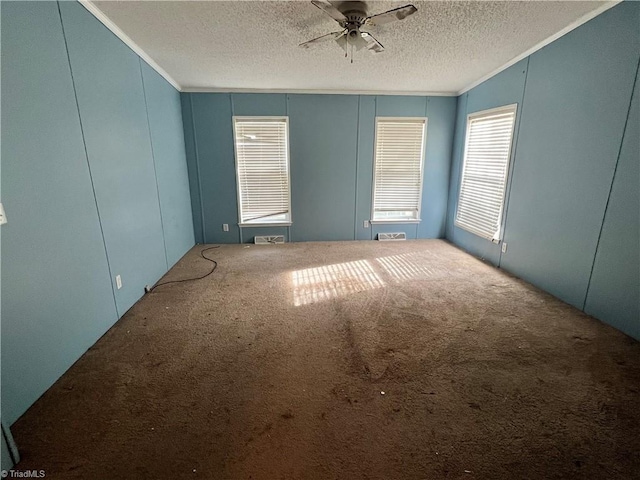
352,16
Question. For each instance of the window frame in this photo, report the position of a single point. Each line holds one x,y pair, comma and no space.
272,118
423,152
498,236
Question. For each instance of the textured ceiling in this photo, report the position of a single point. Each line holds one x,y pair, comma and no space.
234,45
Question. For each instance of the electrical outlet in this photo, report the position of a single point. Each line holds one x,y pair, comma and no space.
504,247
365,224
3,217
118,282
225,227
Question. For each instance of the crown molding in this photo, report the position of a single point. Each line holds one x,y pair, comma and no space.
572,26
318,92
106,21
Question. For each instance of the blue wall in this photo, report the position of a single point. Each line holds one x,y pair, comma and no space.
167,143
120,159
573,97
80,190
323,148
331,147
614,291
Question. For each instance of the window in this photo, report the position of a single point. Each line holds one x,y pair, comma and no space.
262,165
484,173
398,165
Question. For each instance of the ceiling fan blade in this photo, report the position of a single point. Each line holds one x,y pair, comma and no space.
399,13
342,41
372,44
328,36
330,10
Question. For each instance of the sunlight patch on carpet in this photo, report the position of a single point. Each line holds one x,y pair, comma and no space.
407,266
317,284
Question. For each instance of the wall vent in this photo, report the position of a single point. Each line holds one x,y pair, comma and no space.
268,239
392,237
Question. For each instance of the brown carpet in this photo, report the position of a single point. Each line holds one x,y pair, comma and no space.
345,360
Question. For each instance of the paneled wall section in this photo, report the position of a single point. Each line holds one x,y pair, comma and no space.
573,191
331,147
95,185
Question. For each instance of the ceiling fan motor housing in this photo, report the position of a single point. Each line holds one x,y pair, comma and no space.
355,19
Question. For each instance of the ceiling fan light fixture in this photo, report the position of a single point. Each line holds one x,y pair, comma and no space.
356,40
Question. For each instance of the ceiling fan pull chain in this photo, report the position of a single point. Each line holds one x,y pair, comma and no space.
346,50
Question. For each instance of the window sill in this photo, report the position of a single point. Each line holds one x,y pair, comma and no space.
387,222
267,224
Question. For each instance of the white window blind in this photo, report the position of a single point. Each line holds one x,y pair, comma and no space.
484,173
262,162
399,158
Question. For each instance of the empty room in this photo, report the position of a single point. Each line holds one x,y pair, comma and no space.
320,240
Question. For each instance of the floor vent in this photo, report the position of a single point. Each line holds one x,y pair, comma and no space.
392,237
268,239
